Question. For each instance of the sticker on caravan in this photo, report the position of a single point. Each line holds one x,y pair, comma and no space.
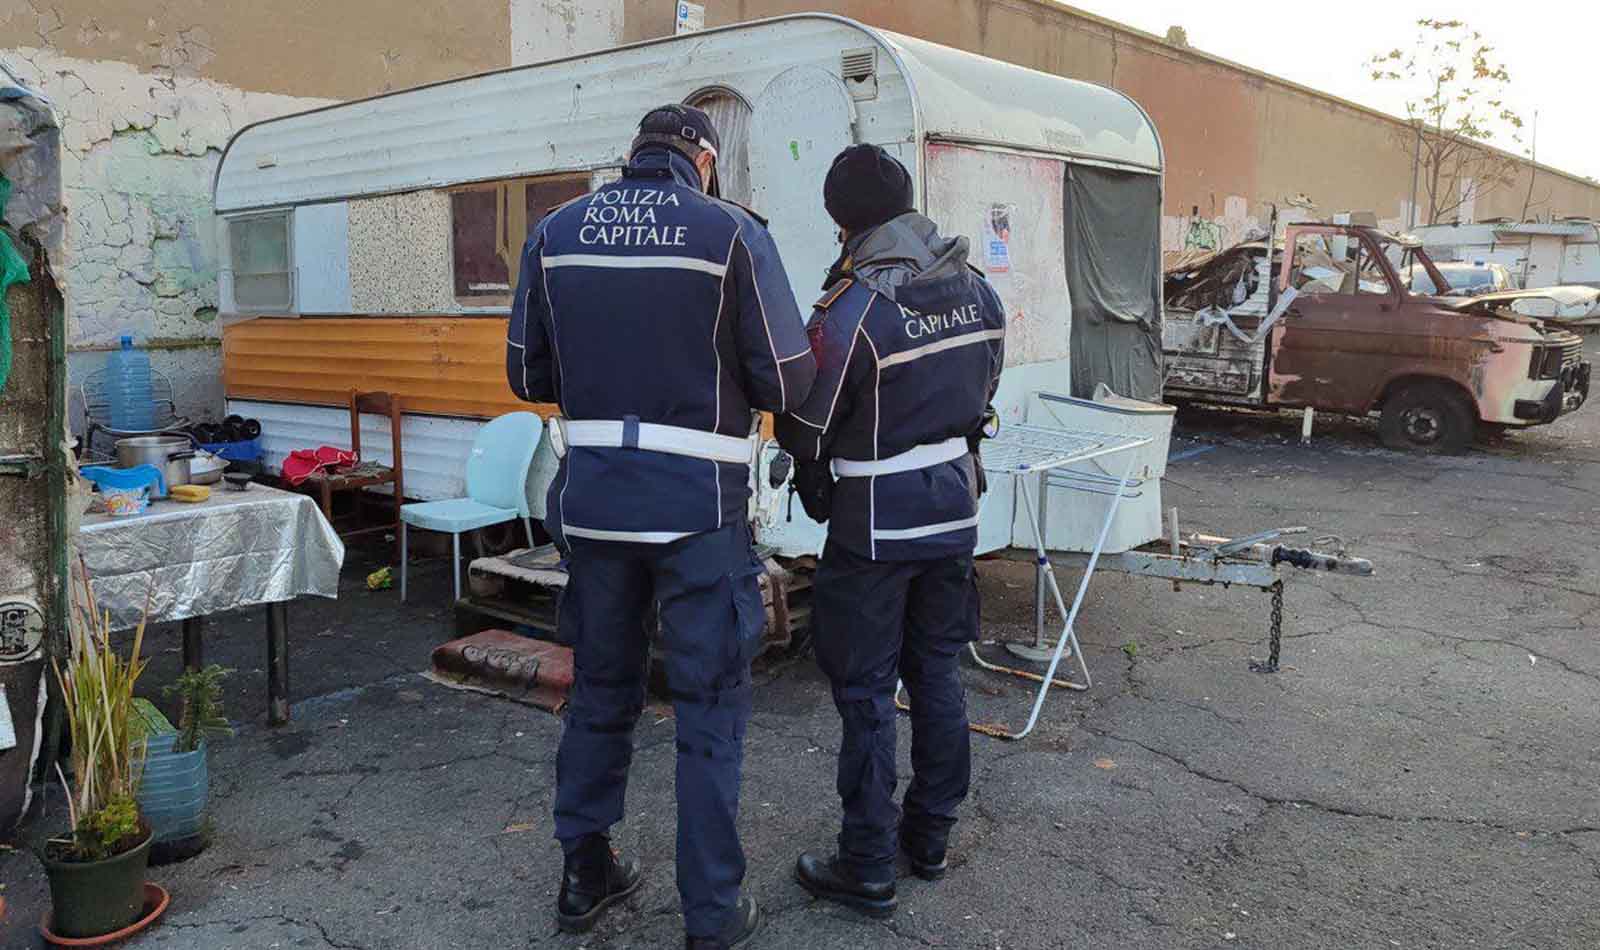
997,225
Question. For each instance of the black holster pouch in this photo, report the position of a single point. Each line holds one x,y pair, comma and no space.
813,482
986,430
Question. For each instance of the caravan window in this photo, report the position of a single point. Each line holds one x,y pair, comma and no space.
259,256
489,224
731,116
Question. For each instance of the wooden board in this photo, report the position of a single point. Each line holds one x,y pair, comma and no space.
453,366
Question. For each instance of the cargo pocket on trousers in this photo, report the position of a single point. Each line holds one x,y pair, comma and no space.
750,614
569,613
974,611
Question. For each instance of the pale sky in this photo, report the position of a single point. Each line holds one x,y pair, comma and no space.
1551,49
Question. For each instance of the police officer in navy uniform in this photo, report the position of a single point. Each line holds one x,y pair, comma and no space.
909,341
659,317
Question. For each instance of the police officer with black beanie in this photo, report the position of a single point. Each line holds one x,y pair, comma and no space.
909,341
866,187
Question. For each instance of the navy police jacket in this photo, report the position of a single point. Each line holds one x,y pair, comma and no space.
894,374
648,301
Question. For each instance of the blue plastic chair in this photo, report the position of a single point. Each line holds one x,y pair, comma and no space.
497,477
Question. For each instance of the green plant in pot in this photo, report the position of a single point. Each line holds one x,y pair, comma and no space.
97,871
176,784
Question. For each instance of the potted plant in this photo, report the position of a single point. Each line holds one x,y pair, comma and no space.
97,870
176,783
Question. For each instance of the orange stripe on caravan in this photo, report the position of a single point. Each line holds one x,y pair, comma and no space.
448,366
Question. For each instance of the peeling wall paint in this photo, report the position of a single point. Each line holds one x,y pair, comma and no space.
344,49
400,254
548,29
138,153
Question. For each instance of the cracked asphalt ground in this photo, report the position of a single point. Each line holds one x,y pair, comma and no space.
1422,773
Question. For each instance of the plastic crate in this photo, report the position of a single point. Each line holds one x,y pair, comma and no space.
246,451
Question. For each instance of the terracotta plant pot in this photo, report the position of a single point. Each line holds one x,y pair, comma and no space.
92,898
156,900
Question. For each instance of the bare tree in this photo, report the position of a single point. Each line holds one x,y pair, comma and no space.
1457,106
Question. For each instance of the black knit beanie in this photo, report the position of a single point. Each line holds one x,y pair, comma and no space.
865,187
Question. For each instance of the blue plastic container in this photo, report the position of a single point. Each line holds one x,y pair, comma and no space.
126,491
129,389
126,479
175,788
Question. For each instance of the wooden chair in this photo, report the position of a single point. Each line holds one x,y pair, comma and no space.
365,474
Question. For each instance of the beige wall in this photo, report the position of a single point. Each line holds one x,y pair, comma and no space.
336,49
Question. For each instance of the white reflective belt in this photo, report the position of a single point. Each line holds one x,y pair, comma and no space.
923,456
923,531
643,537
652,437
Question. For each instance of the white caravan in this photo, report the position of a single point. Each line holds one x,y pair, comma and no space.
363,238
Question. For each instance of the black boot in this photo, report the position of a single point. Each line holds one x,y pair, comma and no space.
831,880
746,920
926,854
592,879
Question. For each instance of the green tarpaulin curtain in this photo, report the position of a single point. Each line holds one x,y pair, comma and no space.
1114,279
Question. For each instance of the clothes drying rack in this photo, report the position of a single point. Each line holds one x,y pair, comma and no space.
1028,454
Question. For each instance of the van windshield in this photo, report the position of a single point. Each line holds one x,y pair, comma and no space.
1333,262
1414,267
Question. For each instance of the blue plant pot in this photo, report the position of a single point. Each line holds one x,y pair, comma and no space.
175,789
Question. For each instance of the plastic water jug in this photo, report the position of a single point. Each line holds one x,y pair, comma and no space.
128,388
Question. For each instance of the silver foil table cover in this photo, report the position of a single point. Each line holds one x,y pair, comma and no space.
234,550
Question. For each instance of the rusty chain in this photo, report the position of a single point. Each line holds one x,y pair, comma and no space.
1274,632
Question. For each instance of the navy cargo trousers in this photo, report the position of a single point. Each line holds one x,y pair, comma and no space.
711,623
876,622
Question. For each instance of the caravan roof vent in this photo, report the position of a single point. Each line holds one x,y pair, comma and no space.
859,67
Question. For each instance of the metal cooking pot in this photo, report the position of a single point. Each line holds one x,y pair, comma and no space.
205,468
169,453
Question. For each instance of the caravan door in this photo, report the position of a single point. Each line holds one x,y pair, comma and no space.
801,121
1544,261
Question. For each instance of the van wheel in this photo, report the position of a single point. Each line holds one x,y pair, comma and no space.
1428,417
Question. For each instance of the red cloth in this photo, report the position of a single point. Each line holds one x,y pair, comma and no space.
303,463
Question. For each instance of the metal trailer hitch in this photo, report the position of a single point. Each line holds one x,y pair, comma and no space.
1258,548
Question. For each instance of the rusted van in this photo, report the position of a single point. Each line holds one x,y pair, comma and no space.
1324,321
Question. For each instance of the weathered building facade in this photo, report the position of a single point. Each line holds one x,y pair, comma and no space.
149,93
